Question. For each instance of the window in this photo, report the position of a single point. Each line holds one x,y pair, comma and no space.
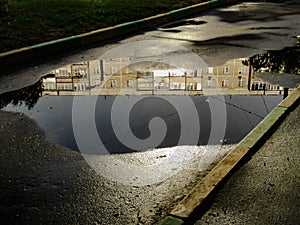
199,73
225,83
195,73
262,86
64,86
209,82
97,82
83,86
128,70
199,86
226,70
96,70
149,73
80,72
242,70
241,81
114,83
80,86
144,84
112,70
255,85
210,70
63,73
129,83
49,85
190,86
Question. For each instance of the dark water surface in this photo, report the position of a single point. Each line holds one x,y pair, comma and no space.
54,115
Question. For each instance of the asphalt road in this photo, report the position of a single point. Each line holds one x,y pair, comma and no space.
42,183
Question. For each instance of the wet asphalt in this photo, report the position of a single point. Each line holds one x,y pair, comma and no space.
266,190
41,183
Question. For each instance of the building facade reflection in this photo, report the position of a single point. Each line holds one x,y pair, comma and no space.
121,76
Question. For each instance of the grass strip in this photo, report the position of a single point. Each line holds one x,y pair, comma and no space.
31,22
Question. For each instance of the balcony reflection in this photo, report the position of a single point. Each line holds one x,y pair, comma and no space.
122,77
112,77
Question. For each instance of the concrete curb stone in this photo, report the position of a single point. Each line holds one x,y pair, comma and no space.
52,47
262,128
203,189
97,36
292,98
31,53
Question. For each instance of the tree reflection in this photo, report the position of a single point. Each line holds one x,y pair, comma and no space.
27,96
282,61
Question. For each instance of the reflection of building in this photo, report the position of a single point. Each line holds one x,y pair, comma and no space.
260,85
232,75
120,76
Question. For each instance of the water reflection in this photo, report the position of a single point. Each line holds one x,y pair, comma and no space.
286,60
122,77
279,68
27,96
50,100
54,115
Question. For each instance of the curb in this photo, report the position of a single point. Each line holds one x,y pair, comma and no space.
208,186
82,40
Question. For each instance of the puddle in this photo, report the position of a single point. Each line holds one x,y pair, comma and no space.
113,84
54,115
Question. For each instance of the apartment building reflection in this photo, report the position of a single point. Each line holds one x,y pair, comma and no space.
121,76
